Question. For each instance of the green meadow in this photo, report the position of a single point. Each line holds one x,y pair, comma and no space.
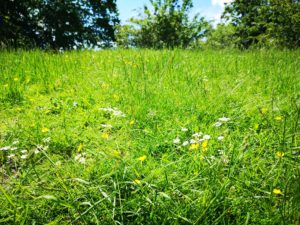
149,137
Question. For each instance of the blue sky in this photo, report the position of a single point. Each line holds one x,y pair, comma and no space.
210,9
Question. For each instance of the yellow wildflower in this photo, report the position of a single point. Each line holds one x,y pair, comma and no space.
279,154
201,157
264,110
142,158
45,129
194,146
80,147
136,181
131,122
204,145
105,135
277,191
278,118
116,153
16,79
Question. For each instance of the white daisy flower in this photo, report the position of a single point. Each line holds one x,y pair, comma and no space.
5,148
24,151
11,156
185,143
224,119
206,137
217,124
183,129
23,156
220,138
106,126
192,141
176,140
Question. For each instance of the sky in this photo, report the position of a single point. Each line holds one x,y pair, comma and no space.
210,9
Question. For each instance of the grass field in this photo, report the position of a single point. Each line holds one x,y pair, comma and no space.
150,137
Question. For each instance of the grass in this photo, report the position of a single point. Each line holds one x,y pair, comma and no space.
105,137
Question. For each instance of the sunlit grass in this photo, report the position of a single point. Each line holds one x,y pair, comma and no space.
149,137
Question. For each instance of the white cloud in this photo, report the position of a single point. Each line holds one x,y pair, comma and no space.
220,2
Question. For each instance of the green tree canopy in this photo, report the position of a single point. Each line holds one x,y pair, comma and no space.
165,24
57,24
265,22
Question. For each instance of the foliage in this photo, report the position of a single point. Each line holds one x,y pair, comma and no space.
221,37
165,24
265,22
114,137
57,24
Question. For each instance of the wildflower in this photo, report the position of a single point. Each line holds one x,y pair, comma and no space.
224,119
24,151
113,111
105,135
277,191
14,148
201,157
197,134
23,156
5,85
46,140
107,126
176,141
116,153
80,158
131,122
80,147
217,124
75,104
142,158
220,138
264,110
279,154
278,118
11,156
194,146
206,137
183,129
36,151
45,129
15,142
16,79
136,181
192,141
5,148
204,145
185,143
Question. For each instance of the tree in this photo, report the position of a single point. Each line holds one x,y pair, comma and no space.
265,22
221,37
167,25
58,24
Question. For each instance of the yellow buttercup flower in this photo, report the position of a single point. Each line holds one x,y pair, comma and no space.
142,158
278,118
264,110
277,191
279,154
194,146
136,181
131,122
204,145
105,135
80,147
45,129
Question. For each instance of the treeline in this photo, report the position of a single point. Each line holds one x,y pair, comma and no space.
68,24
